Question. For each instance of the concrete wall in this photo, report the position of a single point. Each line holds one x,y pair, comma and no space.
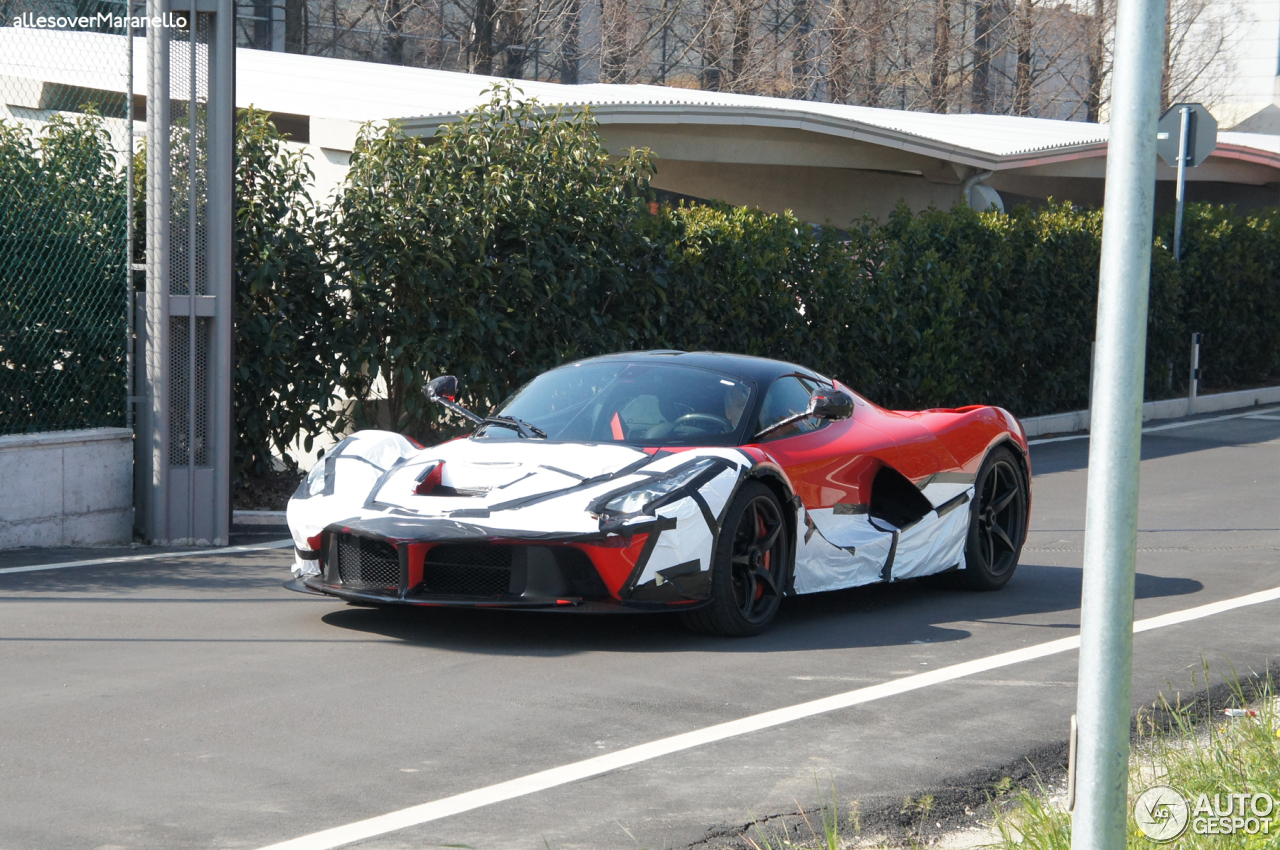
66,488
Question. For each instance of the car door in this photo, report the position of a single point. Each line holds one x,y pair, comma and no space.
831,466
828,463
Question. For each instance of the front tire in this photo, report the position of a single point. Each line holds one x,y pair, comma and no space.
749,569
997,522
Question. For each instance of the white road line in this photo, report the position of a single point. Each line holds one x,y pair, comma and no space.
413,816
1189,422
1057,439
150,556
1185,424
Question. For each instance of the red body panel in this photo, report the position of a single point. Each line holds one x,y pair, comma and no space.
837,463
615,559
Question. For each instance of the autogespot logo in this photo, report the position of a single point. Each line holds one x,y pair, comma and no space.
1163,813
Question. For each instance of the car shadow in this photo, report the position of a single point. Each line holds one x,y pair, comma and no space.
903,613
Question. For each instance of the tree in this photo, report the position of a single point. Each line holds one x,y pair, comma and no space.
286,311
1020,57
1198,61
513,212
940,69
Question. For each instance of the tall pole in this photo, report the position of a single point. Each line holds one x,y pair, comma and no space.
1184,136
221,247
1104,691
153,438
192,256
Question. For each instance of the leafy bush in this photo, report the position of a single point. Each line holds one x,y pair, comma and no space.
1230,273
288,309
492,251
512,242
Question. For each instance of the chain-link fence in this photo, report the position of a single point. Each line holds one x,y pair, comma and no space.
65,168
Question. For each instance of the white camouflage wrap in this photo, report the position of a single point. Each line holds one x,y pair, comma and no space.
544,490
499,488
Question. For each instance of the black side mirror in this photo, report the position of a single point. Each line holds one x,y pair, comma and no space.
444,387
443,391
831,404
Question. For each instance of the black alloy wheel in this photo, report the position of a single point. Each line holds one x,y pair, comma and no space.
750,567
997,522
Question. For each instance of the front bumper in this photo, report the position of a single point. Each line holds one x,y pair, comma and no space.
573,605
591,575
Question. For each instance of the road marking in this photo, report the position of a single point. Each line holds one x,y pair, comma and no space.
150,556
1186,424
543,780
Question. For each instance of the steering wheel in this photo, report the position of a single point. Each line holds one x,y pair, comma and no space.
704,422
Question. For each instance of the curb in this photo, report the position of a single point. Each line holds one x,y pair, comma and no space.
1173,408
276,518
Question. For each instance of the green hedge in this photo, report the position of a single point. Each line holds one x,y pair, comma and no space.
287,305
512,242
1230,292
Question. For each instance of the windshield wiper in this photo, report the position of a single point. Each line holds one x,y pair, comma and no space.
524,429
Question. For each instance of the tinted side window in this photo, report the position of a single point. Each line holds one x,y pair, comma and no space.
788,396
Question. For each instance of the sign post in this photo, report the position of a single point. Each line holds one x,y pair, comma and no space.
1185,135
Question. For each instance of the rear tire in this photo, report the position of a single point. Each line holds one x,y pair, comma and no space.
997,522
749,569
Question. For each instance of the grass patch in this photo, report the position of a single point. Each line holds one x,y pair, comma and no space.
823,826
1192,747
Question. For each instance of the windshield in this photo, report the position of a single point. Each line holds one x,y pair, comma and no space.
646,404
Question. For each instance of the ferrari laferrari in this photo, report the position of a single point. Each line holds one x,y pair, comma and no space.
713,485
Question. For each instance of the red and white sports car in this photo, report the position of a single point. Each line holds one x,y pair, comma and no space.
710,484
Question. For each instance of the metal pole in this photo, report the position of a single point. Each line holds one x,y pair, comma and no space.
192,143
1104,690
220,235
1193,386
154,437
1184,134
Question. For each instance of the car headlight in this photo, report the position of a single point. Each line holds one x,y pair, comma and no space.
638,500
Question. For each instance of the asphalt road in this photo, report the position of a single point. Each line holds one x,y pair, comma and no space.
192,702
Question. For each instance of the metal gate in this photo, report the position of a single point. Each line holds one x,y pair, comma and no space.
184,438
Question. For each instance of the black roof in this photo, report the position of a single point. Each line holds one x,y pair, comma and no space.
762,370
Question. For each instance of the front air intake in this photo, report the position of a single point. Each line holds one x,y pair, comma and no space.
468,569
367,563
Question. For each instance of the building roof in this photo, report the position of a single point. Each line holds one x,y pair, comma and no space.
320,87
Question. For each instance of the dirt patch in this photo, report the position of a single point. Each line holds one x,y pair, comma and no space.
960,811
960,808
268,492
